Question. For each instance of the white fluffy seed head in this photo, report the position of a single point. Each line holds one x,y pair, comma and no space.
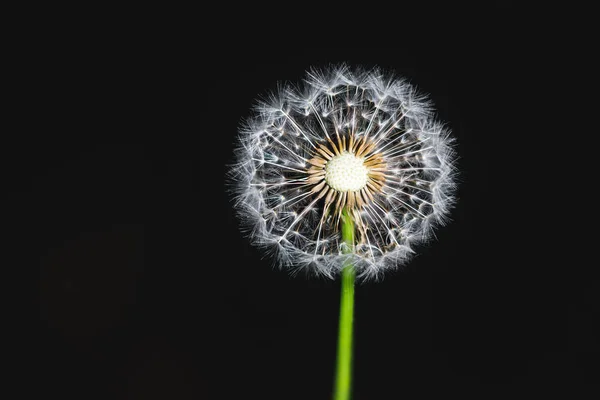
291,176
346,173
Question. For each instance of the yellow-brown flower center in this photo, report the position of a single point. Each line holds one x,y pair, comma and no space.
346,172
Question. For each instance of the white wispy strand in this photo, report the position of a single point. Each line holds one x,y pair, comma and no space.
269,181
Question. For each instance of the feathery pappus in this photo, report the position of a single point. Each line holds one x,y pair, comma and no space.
353,139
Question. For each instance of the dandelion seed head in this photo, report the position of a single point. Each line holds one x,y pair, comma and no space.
355,139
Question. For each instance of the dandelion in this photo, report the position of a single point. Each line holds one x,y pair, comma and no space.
355,140
343,175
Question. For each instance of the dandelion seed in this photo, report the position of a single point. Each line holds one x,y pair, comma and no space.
355,140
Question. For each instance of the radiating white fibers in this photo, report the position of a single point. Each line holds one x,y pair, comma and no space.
359,139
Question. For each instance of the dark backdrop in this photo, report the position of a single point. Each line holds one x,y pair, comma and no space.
149,291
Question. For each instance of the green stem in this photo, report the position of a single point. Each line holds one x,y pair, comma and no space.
343,381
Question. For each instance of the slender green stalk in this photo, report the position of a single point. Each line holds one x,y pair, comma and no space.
343,381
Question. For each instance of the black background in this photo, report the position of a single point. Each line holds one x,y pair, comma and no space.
149,291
